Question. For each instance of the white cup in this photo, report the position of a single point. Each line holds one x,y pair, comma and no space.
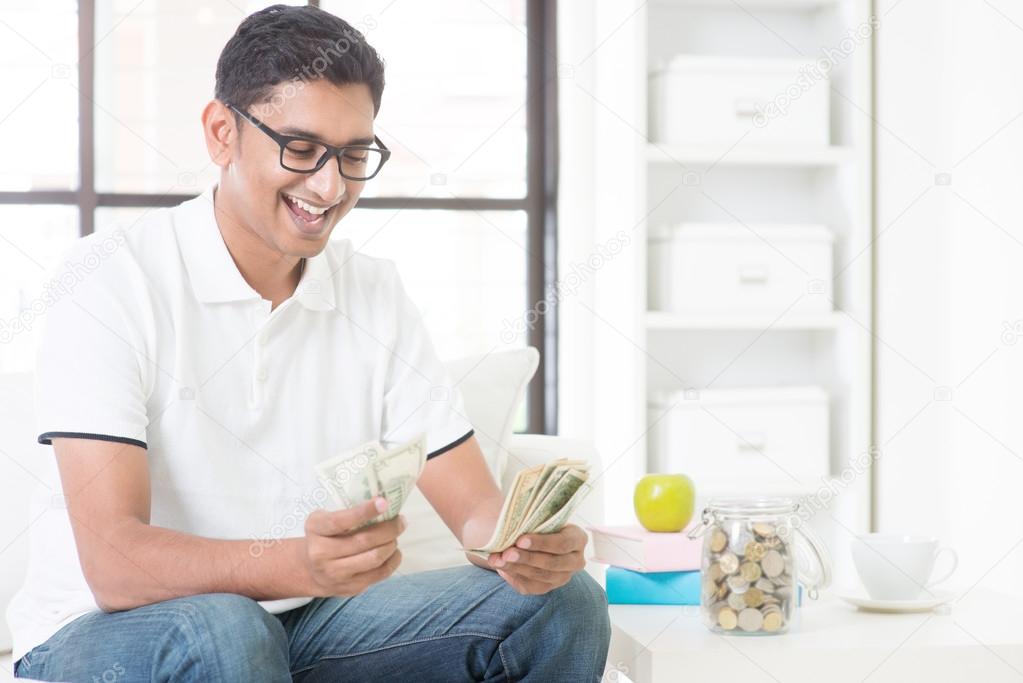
897,567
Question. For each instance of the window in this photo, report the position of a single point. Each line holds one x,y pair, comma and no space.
100,123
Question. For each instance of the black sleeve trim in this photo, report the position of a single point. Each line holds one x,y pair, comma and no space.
457,442
47,438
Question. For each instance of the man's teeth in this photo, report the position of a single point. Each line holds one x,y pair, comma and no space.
315,210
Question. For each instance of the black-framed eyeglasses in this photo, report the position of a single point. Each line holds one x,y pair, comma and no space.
302,155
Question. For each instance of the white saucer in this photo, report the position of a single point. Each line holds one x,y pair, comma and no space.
922,604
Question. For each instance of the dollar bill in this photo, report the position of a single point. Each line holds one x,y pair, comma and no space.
397,472
372,470
350,478
541,500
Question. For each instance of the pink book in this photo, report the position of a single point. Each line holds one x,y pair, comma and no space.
635,548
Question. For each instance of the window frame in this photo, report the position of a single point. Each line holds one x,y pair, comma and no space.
539,202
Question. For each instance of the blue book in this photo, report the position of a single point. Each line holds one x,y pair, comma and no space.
626,587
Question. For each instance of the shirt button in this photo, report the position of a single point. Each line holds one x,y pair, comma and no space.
261,375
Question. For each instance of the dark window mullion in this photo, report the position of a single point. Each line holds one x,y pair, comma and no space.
143,200
86,123
541,176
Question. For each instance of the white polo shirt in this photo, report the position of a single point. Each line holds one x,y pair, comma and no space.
161,343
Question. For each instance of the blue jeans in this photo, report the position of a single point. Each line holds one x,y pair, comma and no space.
459,624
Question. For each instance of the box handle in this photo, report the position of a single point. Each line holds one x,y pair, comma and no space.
753,274
752,442
745,107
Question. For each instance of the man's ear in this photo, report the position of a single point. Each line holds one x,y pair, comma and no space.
220,131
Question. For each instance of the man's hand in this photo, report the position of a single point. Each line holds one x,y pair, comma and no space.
343,561
539,563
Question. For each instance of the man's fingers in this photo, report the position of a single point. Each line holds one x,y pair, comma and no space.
569,539
327,548
551,577
332,523
365,579
516,556
339,567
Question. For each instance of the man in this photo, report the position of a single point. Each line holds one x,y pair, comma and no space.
200,369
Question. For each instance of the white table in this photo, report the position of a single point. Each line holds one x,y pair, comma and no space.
979,638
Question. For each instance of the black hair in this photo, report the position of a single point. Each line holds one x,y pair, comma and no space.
294,44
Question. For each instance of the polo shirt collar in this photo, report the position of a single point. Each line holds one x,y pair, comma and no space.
215,276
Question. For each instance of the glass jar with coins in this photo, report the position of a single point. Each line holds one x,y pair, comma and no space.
755,550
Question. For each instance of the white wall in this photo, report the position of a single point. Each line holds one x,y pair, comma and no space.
949,100
602,72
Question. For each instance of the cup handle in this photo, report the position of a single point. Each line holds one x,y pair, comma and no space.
955,563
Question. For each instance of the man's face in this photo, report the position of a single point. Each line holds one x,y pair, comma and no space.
266,194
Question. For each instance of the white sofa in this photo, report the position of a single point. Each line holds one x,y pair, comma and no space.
22,460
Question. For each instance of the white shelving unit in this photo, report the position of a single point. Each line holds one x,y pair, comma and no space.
787,156
636,352
659,321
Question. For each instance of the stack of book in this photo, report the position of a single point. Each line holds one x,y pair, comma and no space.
648,568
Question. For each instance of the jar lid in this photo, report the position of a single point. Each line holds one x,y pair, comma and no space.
752,506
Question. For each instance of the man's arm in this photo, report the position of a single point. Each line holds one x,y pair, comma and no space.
128,563
460,487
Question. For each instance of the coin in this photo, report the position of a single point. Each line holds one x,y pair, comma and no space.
730,563
772,622
773,563
716,607
750,619
753,598
750,571
740,539
718,540
715,572
763,529
737,584
754,551
722,591
736,601
727,618
765,585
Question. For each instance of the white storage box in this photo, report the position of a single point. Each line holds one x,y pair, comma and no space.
761,440
705,100
699,268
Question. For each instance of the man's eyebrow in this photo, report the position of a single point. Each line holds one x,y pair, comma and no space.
303,133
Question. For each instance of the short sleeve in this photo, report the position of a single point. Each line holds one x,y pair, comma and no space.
419,395
89,369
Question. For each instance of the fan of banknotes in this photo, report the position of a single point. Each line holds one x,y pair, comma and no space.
372,470
541,501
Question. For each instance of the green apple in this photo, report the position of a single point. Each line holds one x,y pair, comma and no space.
664,502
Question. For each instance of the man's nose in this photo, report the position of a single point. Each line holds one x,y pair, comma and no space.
327,182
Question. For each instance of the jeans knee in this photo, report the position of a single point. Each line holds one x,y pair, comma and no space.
231,629
582,603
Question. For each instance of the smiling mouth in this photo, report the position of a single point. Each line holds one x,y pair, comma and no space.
308,217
